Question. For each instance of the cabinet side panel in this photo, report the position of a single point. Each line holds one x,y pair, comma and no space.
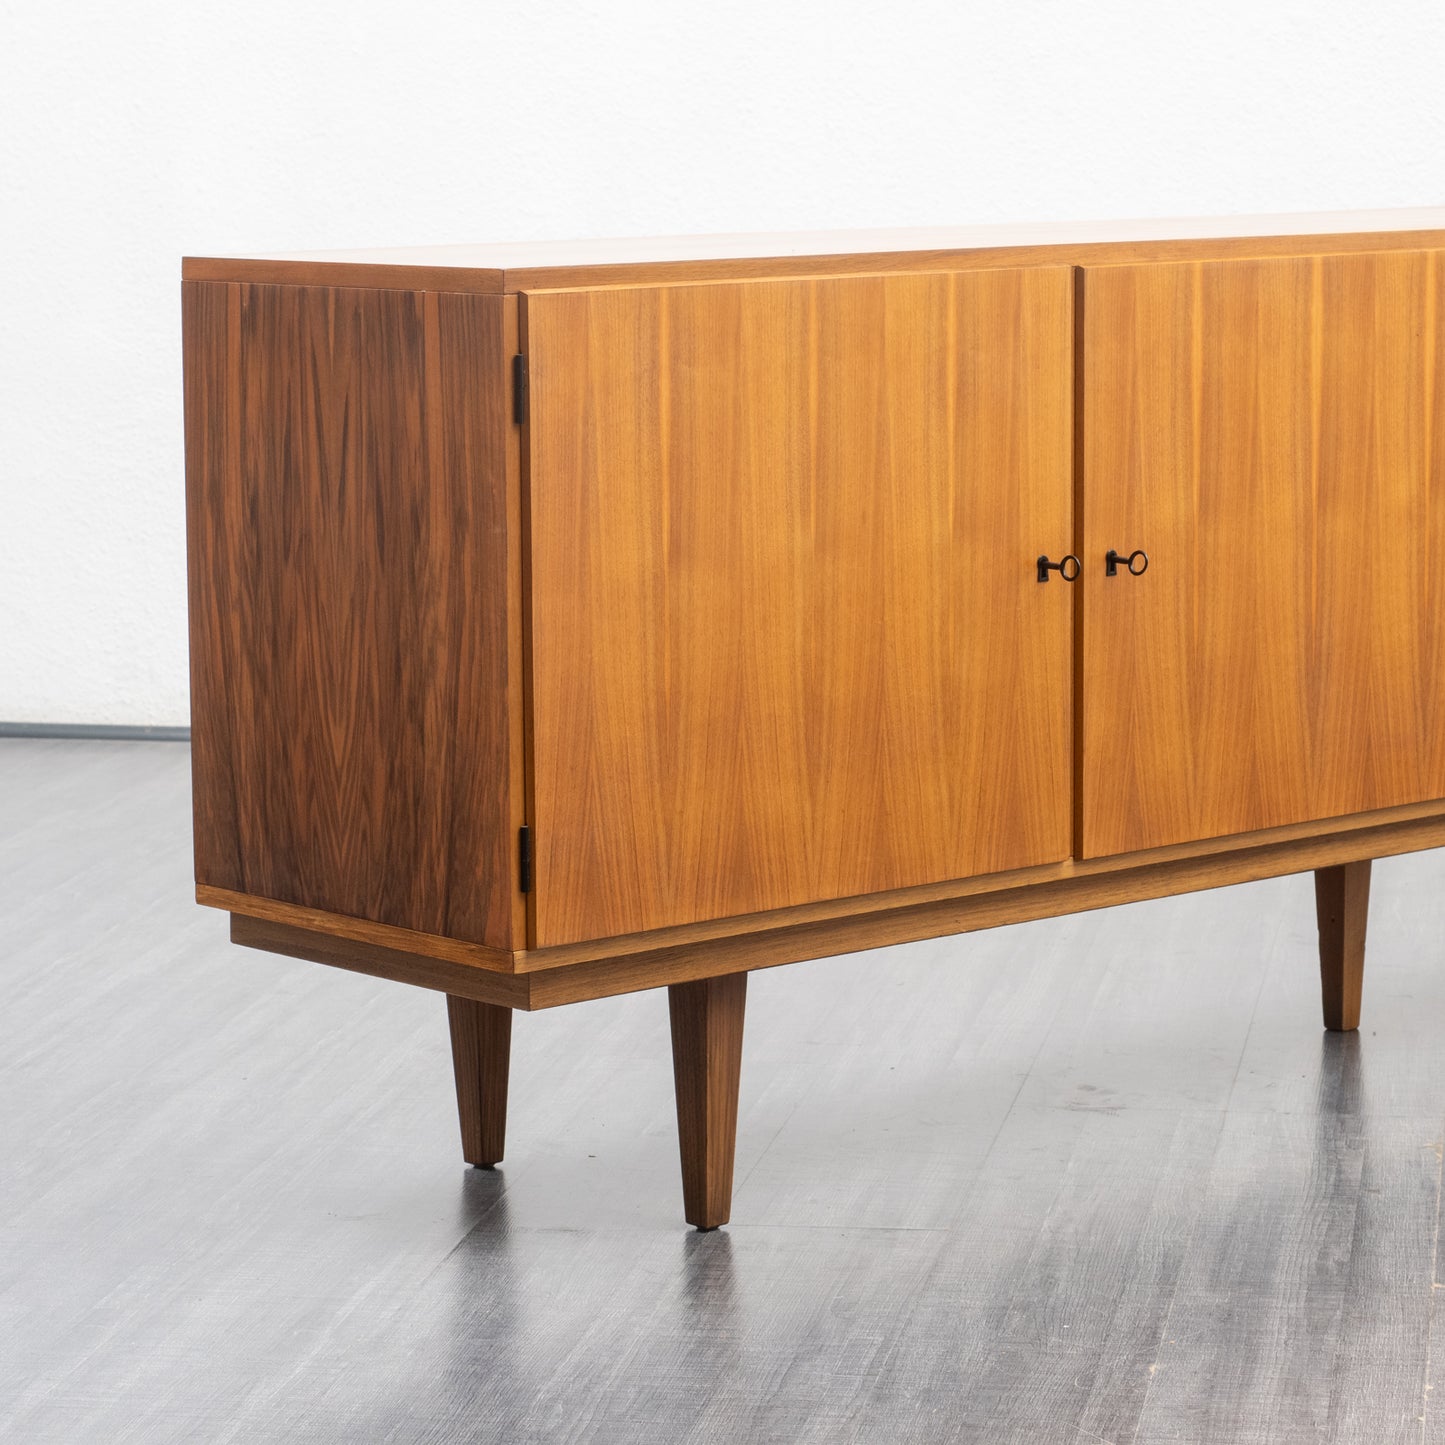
212,523
349,608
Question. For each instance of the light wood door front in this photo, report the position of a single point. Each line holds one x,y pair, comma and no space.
787,638
1272,434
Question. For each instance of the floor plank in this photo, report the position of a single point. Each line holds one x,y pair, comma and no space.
1100,1178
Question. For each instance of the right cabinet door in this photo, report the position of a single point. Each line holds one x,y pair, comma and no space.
1271,433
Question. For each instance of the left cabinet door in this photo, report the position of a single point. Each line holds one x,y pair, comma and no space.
787,641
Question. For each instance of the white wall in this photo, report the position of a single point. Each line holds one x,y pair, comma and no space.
131,134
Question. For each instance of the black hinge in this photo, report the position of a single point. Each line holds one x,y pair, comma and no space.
524,859
519,389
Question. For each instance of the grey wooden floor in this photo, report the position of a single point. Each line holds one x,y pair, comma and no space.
1094,1179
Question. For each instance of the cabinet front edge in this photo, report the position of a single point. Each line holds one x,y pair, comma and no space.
445,965
860,907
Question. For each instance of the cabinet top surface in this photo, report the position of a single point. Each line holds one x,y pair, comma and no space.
529,265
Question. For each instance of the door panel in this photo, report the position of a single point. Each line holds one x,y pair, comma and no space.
787,641
1270,432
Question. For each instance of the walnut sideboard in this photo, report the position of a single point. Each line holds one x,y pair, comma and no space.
570,620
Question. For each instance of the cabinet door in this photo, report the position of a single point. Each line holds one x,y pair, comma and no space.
786,637
1272,434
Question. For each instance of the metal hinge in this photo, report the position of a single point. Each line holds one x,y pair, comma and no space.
524,859
519,389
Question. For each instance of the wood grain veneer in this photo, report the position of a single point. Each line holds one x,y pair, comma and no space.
1270,433
354,689
787,637
531,265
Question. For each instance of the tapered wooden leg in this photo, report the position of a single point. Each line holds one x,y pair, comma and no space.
1342,905
707,1054
481,1052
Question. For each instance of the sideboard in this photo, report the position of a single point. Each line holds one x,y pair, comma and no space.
568,620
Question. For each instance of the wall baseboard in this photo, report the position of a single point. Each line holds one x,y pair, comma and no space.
107,731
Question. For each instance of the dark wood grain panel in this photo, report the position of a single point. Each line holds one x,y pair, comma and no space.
480,663
215,525
350,632
787,637
1269,432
